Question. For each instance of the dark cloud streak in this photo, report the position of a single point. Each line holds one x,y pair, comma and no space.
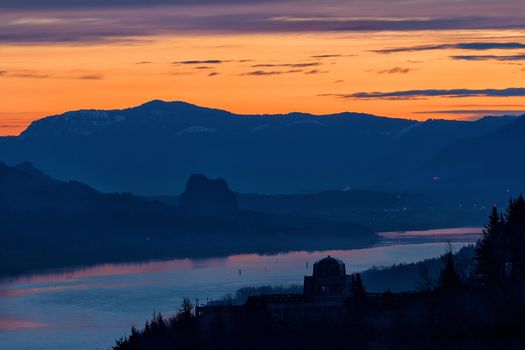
396,70
265,73
191,62
419,94
25,74
315,71
327,56
487,112
90,77
33,74
489,57
475,46
292,65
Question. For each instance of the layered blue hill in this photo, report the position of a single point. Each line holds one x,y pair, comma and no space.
153,148
50,223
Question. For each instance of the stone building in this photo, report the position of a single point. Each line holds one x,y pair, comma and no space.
326,294
329,278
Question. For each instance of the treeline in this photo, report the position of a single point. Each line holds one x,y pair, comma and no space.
481,308
421,275
500,255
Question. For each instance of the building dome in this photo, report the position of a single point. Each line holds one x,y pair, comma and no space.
330,261
329,267
328,279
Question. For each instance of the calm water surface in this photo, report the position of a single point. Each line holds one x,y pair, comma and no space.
88,308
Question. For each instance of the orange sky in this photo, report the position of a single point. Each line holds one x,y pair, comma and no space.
259,73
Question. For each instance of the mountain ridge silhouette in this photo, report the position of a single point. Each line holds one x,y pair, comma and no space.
153,148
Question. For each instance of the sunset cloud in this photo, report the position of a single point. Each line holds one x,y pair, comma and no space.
484,112
315,71
327,56
24,73
90,77
199,62
264,73
34,74
293,65
489,57
35,21
418,94
117,27
475,46
396,70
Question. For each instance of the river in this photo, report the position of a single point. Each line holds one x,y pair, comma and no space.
89,307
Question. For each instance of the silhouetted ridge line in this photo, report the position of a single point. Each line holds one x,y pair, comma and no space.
153,149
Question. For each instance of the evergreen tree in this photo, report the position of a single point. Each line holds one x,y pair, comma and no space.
489,252
157,324
134,338
425,281
357,289
185,311
515,238
450,281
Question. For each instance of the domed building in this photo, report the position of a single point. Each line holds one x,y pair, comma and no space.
329,279
325,294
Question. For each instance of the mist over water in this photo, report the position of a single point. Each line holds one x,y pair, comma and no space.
88,308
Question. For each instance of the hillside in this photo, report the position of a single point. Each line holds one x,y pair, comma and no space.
49,223
153,148
482,166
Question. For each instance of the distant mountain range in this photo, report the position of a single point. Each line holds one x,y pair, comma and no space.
153,148
49,223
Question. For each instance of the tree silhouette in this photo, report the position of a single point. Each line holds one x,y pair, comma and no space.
425,282
357,289
515,238
489,252
450,281
500,252
185,312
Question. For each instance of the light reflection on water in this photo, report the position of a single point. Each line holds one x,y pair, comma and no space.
88,308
